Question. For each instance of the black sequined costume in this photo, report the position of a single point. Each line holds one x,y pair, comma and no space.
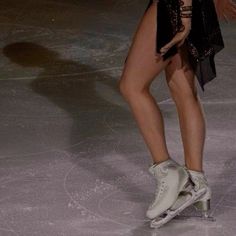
203,42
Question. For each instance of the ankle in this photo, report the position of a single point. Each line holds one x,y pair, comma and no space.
157,162
196,169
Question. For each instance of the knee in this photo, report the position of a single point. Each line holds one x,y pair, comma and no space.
126,89
129,89
183,92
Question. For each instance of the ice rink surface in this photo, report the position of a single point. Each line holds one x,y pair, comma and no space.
72,160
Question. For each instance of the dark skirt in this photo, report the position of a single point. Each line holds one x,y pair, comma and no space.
203,42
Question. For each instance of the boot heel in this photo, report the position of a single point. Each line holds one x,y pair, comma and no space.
203,205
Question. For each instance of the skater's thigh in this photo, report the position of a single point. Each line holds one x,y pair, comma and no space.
142,63
180,75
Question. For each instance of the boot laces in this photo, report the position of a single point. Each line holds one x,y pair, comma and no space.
161,186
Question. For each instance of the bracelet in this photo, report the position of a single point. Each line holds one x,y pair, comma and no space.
186,15
185,11
186,8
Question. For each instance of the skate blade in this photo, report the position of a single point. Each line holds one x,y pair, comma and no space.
170,214
208,218
159,221
200,218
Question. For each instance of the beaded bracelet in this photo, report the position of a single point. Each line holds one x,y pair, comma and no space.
185,11
186,8
186,15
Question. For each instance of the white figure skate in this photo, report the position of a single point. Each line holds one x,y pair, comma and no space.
171,180
203,203
197,192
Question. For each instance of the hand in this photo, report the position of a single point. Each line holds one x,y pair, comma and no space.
226,9
180,37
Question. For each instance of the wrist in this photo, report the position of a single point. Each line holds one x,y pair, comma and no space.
186,21
186,13
186,8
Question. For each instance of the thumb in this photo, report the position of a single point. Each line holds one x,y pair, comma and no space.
168,46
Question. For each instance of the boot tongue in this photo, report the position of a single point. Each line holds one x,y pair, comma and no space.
162,164
162,171
198,178
196,173
159,170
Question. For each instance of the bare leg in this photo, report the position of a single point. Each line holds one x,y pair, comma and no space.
180,79
140,69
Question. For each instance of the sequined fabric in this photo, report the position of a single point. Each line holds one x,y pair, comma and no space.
203,42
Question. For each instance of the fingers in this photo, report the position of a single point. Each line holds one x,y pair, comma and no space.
233,13
175,41
226,9
164,49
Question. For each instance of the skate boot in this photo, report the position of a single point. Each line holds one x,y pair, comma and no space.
171,180
202,203
196,192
